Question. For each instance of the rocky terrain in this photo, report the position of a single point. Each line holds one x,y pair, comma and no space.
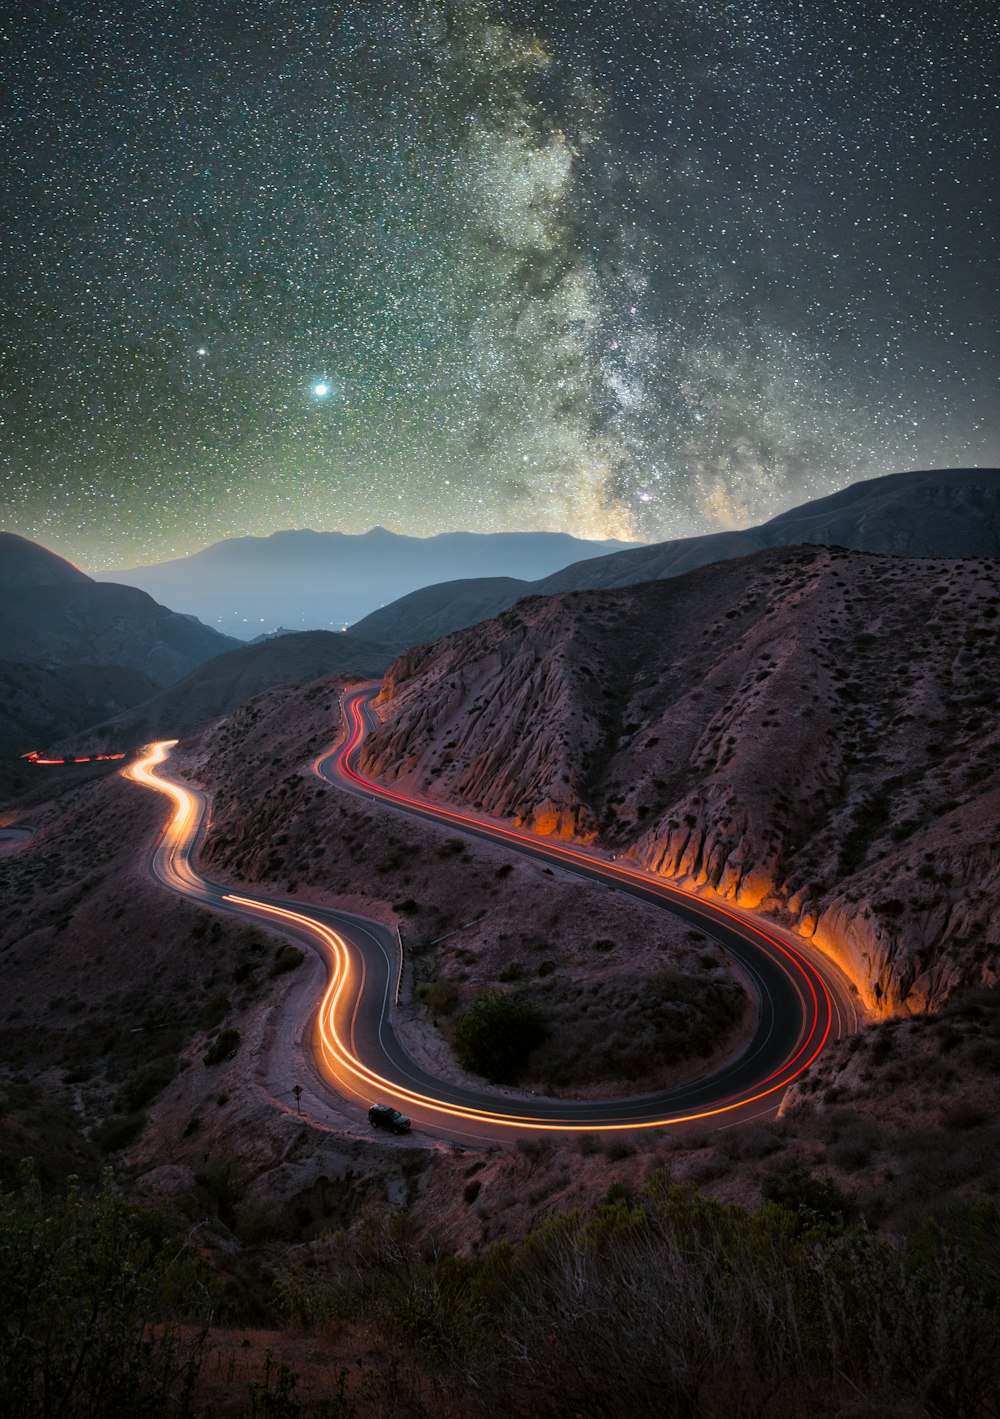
329,1252
473,916
952,512
806,731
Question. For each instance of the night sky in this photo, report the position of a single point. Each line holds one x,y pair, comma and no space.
619,269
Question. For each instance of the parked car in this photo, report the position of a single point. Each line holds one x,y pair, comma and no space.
382,1116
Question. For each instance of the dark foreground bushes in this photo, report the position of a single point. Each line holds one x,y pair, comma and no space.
656,1306
669,1305
88,1289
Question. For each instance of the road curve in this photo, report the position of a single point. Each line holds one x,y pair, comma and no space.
803,999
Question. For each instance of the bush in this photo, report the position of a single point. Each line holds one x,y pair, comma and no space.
223,1047
88,1284
286,958
144,1083
496,1034
118,1131
214,1011
440,996
814,1200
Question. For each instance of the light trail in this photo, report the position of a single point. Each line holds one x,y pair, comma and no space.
356,1052
819,1010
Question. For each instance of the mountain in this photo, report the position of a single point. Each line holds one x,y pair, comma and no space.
38,706
72,652
952,512
54,615
25,563
325,580
227,681
806,730
436,611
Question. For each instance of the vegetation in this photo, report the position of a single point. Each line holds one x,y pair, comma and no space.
223,1047
144,1083
669,1304
632,1028
286,958
118,1131
441,996
89,1288
655,1302
495,1036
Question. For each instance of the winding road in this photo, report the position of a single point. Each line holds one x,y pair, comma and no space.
804,1000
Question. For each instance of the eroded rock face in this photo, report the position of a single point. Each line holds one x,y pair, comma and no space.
807,731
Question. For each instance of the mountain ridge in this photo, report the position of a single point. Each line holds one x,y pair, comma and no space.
890,516
309,580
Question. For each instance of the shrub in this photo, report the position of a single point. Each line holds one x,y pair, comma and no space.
144,1083
286,958
223,1047
440,996
118,1131
496,1034
87,1283
214,1011
813,1199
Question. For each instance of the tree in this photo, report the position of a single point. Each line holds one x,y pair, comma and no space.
496,1034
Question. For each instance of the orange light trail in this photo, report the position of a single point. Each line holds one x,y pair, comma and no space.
338,1004
338,1011
798,968
35,758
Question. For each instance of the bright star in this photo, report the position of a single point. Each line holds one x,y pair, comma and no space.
321,390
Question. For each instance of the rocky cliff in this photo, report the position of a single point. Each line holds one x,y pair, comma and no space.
807,731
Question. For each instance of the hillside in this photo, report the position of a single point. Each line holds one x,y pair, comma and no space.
325,580
25,563
72,652
947,513
809,731
227,681
88,624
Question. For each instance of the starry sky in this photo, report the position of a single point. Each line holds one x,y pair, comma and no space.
636,268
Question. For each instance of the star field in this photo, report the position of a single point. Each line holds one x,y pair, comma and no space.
620,269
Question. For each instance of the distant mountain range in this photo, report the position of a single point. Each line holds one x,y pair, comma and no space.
952,512
325,580
109,665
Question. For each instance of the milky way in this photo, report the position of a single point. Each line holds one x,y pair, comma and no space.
620,269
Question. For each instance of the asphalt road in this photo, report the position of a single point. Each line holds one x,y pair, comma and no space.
804,1001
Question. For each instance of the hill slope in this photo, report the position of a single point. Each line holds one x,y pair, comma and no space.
227,681
88,624
948,513
807,730
25,563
